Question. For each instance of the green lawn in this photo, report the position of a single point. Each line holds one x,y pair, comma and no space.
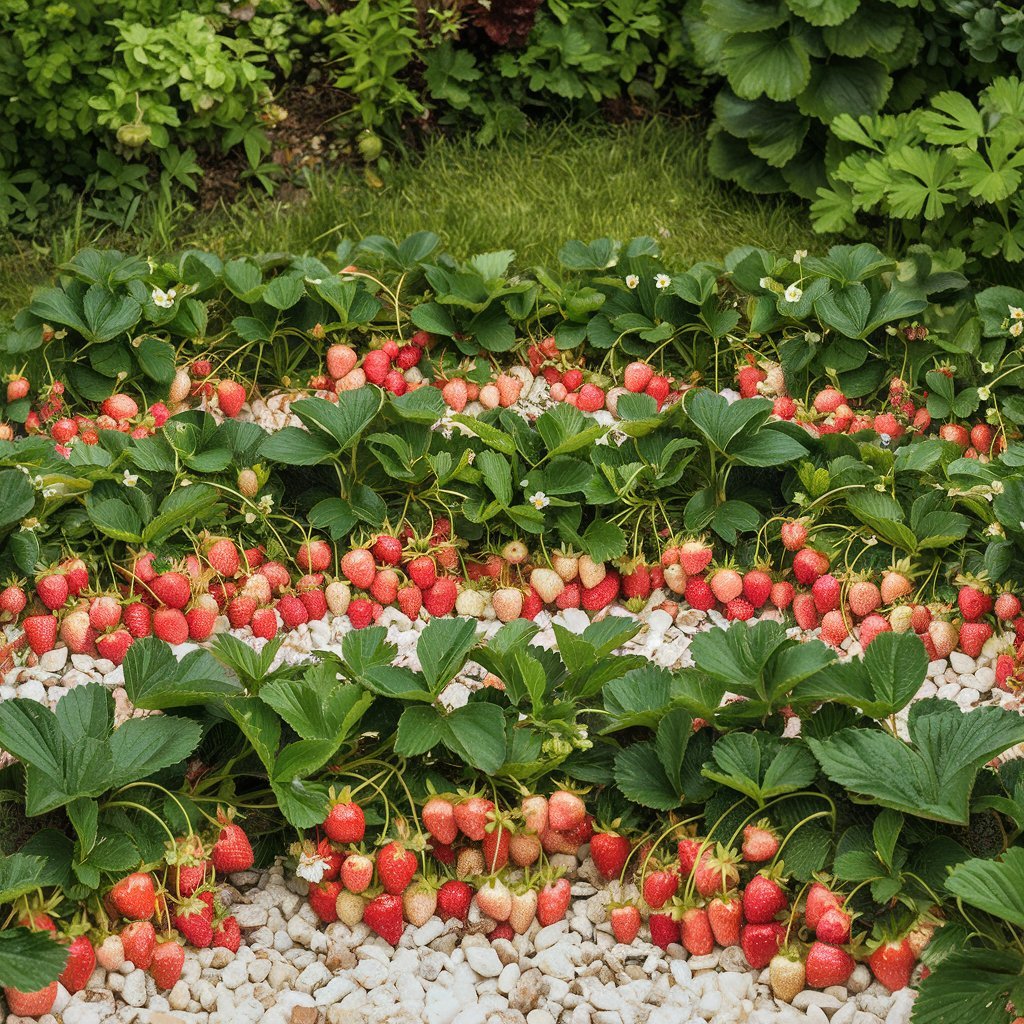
529,194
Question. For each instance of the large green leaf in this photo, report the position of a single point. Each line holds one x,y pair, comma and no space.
19,874
442,648
344,420
29,960
931,777
760,766
476,732
997,887
773,63
16,496
155,679
971,985
143,746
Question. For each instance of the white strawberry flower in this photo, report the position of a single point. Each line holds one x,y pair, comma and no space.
163,299
1016,313
984,394
662,280
1016,328
130,479
539,500
793,293
311,867
799,255
632,281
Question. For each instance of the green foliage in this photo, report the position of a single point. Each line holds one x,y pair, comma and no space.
949,172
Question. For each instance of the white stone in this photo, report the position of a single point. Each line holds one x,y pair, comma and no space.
550,936
484,961
556,964
509,976
961,663
134,990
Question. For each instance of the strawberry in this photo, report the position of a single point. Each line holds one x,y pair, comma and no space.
716,872
894,586
804,611
264,623
202,618
690,851
808,565
696,934
440,599
194,920
760,843
828,400
944,637
636,377
453,900
833,629
17,388
739,609
168,960
820,899
828,965
694,557
1007,606
699,594
438,817
524,910
31,1004
794,534
726,584
664,930
760,942
603,594
524,849
395,867
383,914
360,613
757,587
52,588
358,567
782,594
376,366
456,394
725,915
834,927
763,899
784,407
357,872
323,898
973,602
507,603
292,611
349,908
609,852
172,589
171,626
658,886
892,963
227,934
494,899
565,811
863,598
659,389
232,851
748,377
553,901
139,942
341,360
12,600
315,603
973,636
80,965
134,896
345,823
871,627
826,593
786,976
982,437
110,953
138,619
590,399
472,815
625,922
410,600
419,902
387,549
548,584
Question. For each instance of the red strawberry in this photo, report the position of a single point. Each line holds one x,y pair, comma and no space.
440,598
120,407
565,811
52,589
794,535
784,407
170,625
763,899
232,851
748,377
358,567
323,898
739,610
139,942
871,627
410,600
636,377
168,960
453,900
17,388
609,852
697,937
495,845
804,612
664,930
658,886
264,623
863,598
357,872
828,400
625,922
553,901
315,602
828,965
472,815
973,603
223,557
81,963
826,592
659,389
820,899
384,915
395,867
973,636
595,598
637,583
345,823
438,817
833,628
725,914
834,927
31,1004
808,565
172,589
782,594
227,934
892,963
134,896
388,549
760,843
590,398
194,920
376,366
12,600
138,619
694,557
760,942
757,587
1007,606
699,594
41,632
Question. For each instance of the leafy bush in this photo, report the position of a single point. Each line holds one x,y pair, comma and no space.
950,173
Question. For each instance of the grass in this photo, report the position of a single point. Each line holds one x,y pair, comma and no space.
530,195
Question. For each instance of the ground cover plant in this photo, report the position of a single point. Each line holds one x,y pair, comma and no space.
231,478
